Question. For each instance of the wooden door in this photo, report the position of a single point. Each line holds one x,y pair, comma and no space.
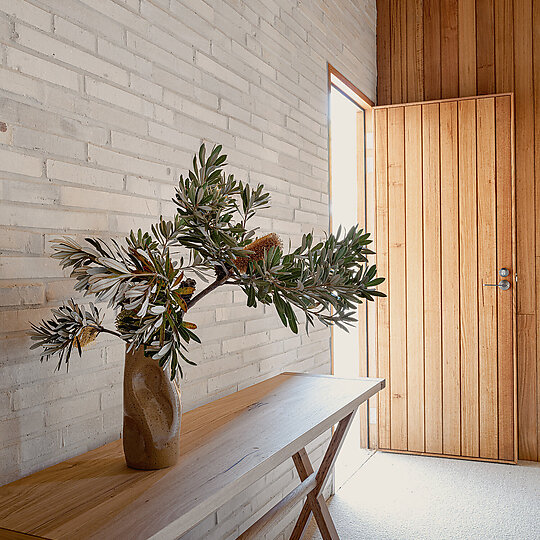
445,229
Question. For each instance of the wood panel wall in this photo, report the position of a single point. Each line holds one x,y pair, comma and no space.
433,49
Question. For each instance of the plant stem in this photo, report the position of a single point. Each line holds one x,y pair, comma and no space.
209,289
107,331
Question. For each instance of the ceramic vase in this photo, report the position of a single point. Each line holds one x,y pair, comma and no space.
152,414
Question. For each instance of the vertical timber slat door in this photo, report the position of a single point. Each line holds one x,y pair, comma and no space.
468,244
415,267
432,278
396,267
506,304
362,308
450,285
487,273
445,229
383,317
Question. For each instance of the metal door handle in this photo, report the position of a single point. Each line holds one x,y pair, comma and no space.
504,284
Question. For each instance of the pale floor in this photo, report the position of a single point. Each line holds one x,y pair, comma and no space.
402,497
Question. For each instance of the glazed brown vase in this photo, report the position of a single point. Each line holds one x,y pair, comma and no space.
152,414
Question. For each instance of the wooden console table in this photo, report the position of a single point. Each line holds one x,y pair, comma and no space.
226,446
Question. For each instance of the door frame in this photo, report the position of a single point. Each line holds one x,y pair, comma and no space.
335,79
514,263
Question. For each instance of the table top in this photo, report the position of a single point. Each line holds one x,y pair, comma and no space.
226,445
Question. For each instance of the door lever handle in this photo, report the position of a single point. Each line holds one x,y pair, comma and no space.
504,284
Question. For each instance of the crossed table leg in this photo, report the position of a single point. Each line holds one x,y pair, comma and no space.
312,485
315,501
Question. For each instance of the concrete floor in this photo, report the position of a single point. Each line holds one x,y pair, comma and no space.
401,497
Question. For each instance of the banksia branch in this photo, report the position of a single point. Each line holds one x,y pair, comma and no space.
143,276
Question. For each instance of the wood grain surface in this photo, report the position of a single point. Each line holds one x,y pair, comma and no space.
445,228
226,445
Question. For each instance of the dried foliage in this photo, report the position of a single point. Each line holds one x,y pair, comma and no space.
144,278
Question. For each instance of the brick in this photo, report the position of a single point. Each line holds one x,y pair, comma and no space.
207,368
277,362
23,425
222,73
253,60
153,150
170,43
49,46
25,267
28,13
80,174
111,398
231,378
74,33
51,218
117,96
175,26
68,409
89,428
266,323
245,342
58,290
112,421
280,145
116,12
42,69
20,164
123,223
48,143
6,134
21,241
202,318
5,410
113,202
128,164
162,114
173,136
120,55
145,88
199,7
233,312
205,115
28,192
18,294
36,118
40,446
152,52
220,331
148,188
88,17
235,111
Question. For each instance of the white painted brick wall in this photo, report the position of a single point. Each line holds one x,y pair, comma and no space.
104,103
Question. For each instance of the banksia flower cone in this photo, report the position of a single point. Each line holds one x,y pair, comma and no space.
87,335
259,247
127,321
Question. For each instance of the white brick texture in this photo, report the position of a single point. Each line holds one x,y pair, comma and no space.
104,102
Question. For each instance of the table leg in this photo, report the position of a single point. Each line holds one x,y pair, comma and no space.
315,501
